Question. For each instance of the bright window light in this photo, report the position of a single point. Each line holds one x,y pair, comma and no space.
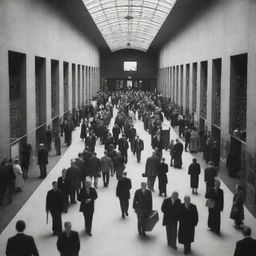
129,23
130,66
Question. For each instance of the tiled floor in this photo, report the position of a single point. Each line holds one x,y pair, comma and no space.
114,236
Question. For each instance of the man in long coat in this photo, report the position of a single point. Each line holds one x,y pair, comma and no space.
73,180
138,147
142,204
106,168
162,177
177,151
151,170
215,194
170,209
68,243
42,160
94,168
123,188
87,196
188,219
55,205
194,171
123,146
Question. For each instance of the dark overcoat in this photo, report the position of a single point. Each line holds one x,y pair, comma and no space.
188,219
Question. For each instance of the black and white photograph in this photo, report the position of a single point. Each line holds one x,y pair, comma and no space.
127,127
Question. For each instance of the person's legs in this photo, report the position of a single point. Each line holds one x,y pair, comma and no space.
173,231
88,222
122,206
73,196
139,225
153,179
104,179
138,154
187,248
95,181
107,179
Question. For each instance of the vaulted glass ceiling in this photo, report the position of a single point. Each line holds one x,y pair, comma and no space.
129,23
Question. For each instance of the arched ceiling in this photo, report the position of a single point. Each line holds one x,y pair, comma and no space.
129,24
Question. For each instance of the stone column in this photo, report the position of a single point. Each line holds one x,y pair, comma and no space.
184,102
70,92
190,88
48,92
61,88
31,101
4,105
209,95
225,104
198,96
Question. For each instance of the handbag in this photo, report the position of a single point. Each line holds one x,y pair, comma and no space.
210,203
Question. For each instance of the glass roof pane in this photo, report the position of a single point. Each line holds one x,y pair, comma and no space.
129,23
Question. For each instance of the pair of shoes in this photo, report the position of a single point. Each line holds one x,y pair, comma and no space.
127,214
174,247
89,233
123,216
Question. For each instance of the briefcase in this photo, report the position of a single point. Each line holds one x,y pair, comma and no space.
151,221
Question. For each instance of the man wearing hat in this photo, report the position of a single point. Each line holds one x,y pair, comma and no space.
42,160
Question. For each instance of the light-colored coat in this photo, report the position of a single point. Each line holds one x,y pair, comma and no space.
106,164
19,181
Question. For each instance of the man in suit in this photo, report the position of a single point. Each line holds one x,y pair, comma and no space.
131,135
106,167
209,176
90,142
142,204
123,192
116,131
123,147
42,160
188,219
138,147
21,244
170,209
73,180
177,151
246,246
151,170
94,168
80,163
86,156
215,194
87,196
157,142
55,205
68,243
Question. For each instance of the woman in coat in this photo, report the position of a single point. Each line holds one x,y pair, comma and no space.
237,210
194,171
188,219
216,195
19,182
162,177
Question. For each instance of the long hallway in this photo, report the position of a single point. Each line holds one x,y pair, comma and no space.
113,235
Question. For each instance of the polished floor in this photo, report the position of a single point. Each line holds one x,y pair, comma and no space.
115,236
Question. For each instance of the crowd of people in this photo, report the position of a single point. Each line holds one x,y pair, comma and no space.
80,181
